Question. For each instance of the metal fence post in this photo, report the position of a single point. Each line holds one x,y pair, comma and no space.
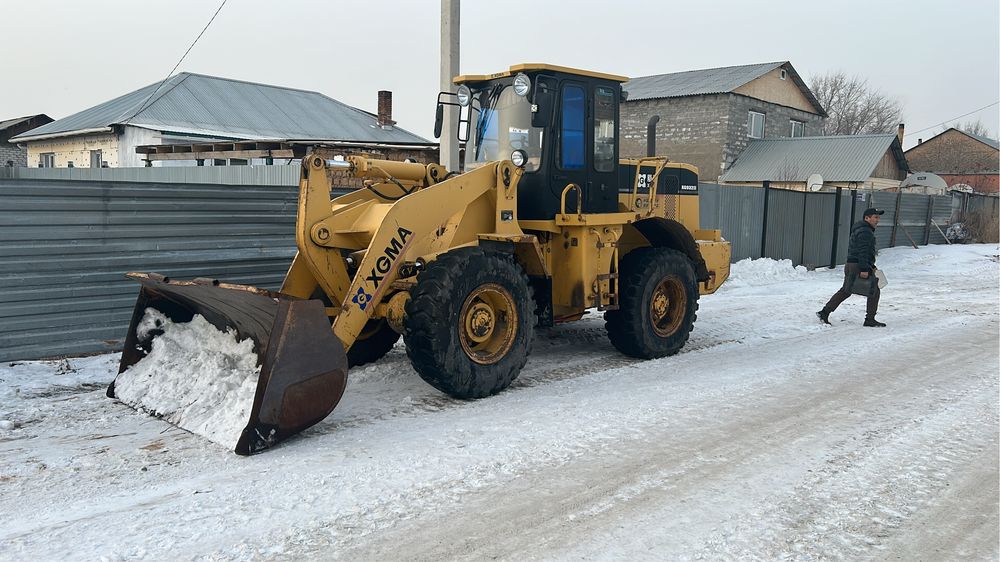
836,228
763,228
930,217
895,221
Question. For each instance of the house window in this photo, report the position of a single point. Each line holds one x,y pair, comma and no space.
798,128
47,160
783,74
95,158
755,125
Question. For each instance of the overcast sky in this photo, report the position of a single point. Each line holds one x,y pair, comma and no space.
940,59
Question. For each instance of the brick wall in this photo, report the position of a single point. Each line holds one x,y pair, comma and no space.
691,129
708,131
11,153
953,152
777,124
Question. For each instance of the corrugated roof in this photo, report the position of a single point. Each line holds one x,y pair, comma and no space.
837,158
710,81
18,120
210,106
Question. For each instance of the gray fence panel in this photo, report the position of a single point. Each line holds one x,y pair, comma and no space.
708,206
216,175
66,245
883,234
941,215
912,218
784,225
817,242
737,212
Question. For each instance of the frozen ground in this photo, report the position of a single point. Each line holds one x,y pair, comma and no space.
770,436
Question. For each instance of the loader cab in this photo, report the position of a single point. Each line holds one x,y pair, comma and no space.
561,122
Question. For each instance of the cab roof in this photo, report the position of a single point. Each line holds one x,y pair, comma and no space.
534,66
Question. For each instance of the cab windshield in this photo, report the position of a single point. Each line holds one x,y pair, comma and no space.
502,124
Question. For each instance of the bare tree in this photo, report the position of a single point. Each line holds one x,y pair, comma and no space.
976,127
854,106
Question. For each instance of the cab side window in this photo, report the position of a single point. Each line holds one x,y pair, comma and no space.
572,138
604,129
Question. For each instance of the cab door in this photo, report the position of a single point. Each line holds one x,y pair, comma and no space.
602,180
572,143
587,145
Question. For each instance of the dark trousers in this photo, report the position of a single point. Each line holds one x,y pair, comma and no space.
851,272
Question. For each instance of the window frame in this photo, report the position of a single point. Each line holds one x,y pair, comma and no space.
802,128
763,123
611,162
47,160
560,163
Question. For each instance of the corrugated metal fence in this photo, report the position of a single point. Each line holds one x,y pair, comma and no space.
807,227
65,244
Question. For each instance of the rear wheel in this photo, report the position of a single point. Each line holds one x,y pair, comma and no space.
469,323
658,303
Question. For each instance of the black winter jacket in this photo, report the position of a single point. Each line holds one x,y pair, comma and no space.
861,249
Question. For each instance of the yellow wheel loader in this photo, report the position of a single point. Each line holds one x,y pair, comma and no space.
544,224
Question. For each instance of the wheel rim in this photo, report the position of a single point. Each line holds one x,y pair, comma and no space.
667,306
488,323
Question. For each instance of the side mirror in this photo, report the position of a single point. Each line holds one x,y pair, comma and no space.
438,120
543,99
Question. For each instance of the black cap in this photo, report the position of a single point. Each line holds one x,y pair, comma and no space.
873,211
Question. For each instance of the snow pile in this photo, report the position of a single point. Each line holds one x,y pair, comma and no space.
195,376
764,271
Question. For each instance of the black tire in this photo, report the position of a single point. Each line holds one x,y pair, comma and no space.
647,278
372,344
446,299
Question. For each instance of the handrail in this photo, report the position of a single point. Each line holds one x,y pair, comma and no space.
660,162
579,198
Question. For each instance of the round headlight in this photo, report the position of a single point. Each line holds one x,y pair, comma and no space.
522,84
464,95
519,158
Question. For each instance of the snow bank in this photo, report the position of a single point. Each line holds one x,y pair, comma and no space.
764,271
195,376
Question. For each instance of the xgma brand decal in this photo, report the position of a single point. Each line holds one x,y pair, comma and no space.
384,262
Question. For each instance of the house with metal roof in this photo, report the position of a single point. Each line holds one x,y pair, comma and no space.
874,162
11,155
964,161
708,117
188,108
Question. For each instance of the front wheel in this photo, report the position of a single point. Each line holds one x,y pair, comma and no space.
469,323
658,303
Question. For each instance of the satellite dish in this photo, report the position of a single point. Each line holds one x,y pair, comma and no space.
815,182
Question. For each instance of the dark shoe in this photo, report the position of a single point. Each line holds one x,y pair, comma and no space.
873,323
824,316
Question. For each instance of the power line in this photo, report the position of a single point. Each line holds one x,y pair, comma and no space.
169,74
907,133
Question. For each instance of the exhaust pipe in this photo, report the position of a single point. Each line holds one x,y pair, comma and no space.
651,135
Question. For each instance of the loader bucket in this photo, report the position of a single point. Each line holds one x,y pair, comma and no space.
303,366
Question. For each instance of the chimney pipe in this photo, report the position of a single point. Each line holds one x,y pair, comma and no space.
899,132
920,141
651,135
385,109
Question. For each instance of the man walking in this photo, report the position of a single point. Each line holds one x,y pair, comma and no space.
860,263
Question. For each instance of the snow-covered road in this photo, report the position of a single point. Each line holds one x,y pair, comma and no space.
770,436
